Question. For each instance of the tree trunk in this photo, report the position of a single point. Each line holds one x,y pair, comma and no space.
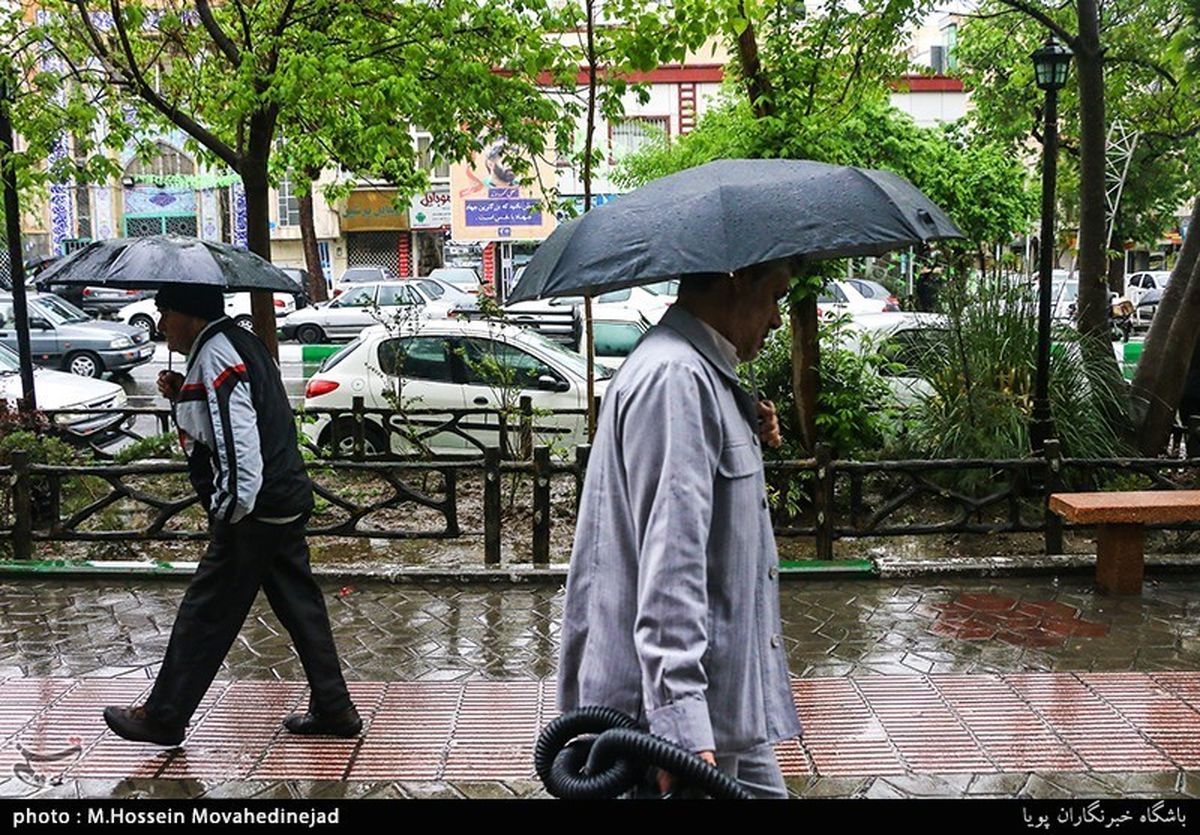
258,241
316,289
1093,263
1116,273
805,368
1158,382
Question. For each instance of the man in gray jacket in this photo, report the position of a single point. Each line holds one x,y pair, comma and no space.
672,608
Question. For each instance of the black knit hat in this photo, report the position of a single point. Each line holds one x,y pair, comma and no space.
201,300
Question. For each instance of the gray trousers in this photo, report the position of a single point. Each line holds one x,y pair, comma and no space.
757,769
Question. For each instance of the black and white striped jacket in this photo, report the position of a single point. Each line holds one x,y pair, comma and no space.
237,429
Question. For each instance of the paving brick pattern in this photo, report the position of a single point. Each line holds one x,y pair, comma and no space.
485,730
947,687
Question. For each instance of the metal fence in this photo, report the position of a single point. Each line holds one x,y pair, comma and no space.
395,495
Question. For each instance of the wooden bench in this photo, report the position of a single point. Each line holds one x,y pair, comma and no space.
1120,517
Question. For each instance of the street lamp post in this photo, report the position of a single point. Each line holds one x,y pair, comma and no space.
1051,63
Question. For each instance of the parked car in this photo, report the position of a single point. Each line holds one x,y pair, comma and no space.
874,290
1139,283
63,336
143,315
839,297
362,275
901,337
1147,306
464,278
615,333
96,301
57,391
360,307
443,364
300,276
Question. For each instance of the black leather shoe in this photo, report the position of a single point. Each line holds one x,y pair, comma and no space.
134,724
346,724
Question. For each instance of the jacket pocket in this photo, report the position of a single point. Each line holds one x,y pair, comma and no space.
739,461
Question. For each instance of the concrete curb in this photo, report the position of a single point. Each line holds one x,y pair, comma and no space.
881,567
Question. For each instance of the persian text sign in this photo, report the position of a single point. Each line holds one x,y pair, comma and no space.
430,210
489,202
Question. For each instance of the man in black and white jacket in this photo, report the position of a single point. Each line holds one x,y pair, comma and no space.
239,437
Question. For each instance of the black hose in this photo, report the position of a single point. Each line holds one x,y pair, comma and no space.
613,762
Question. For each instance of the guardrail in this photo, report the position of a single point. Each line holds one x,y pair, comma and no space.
415,499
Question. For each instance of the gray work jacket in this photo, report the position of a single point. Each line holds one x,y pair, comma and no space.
672,606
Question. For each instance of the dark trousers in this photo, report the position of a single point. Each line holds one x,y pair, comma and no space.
240,559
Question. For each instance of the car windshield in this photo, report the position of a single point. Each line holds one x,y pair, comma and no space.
9,364
664,288
573,361
360,274
58,311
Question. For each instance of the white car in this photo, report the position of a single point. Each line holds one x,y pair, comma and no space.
615,333
447,364
363,305
1140,283
902,337
144,314
839,298
58,390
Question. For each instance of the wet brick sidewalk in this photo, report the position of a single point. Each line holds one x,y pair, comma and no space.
908,688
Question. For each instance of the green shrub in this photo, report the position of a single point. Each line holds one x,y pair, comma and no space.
981,369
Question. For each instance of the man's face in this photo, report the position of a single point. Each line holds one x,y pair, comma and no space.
179,329
755,309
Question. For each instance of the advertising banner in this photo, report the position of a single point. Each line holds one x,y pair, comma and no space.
490,203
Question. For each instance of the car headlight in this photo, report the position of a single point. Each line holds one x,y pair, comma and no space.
121,342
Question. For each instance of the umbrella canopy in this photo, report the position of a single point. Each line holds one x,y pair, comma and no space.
728,215
151,262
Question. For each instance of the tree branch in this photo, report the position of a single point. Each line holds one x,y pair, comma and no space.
222,40
177,117
1145,64
1044,19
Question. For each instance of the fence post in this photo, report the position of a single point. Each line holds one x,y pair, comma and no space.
1052,483
491,506
359,435
526,426
22,507
582,453
823,501
450,480
541,506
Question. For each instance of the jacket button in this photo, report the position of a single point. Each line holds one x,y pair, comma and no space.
775,642
773,572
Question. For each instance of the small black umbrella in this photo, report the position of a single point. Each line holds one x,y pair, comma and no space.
728,215
150,262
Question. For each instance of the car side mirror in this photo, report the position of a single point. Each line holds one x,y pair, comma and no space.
548,383
38,323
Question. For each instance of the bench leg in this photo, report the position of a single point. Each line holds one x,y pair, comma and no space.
1120,559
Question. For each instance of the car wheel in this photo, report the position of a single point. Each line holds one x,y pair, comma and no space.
84,363
375,441
145,323
244,322
310,335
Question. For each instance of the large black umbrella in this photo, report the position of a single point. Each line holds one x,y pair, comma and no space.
150,262
731,214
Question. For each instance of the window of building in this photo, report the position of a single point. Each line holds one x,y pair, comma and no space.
635,132
289,204
165,160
